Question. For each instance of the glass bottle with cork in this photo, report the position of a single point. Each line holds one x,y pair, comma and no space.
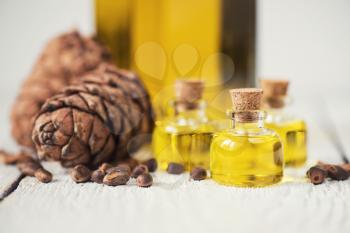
247,154
291,129
184,137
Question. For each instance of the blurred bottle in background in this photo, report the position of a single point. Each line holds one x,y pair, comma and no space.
184,136
165,40
291,129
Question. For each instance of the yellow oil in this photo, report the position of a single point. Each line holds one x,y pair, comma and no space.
186,145
113,25
167,39
294,136
164,40
246,160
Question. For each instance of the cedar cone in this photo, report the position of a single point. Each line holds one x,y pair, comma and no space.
63,59
93,121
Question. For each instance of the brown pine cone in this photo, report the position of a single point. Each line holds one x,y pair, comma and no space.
63,59
93,121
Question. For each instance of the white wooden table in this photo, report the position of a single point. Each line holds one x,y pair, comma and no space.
175,204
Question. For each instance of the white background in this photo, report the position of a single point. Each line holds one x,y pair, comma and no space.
25,27
306,40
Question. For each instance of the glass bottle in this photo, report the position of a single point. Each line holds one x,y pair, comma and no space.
246,155
291,129
185,136
165,39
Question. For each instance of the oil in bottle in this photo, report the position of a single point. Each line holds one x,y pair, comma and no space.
165,39
185,146
291,130
184,137
246,155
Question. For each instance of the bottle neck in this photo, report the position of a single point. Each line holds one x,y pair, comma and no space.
275,103
275,112
248,120
190,110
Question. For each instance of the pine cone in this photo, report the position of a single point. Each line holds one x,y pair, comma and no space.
93,121
65,58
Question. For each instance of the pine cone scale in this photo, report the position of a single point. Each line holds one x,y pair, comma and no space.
104,155
75,149
115,122
95,104
62,120
75,101
82,125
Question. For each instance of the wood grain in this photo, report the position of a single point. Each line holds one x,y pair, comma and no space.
175,204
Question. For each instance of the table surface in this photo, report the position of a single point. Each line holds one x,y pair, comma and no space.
175,204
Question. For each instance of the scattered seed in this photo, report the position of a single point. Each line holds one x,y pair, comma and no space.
28,168
43,175
144,180
97,176
104,167
115,178
80,174
346,167
151,164
132,163
175,168
6,157
120,168
316,175
324,166
198,173
336,172
139,170
125,168
10,158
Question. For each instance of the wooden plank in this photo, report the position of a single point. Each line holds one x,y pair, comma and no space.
174,204
9,179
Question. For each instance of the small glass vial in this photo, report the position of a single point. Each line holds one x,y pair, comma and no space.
246,155
291,129
185,136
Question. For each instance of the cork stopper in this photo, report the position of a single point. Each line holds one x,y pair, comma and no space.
189,90
246,99
246,103
275,92
273,88
187,94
